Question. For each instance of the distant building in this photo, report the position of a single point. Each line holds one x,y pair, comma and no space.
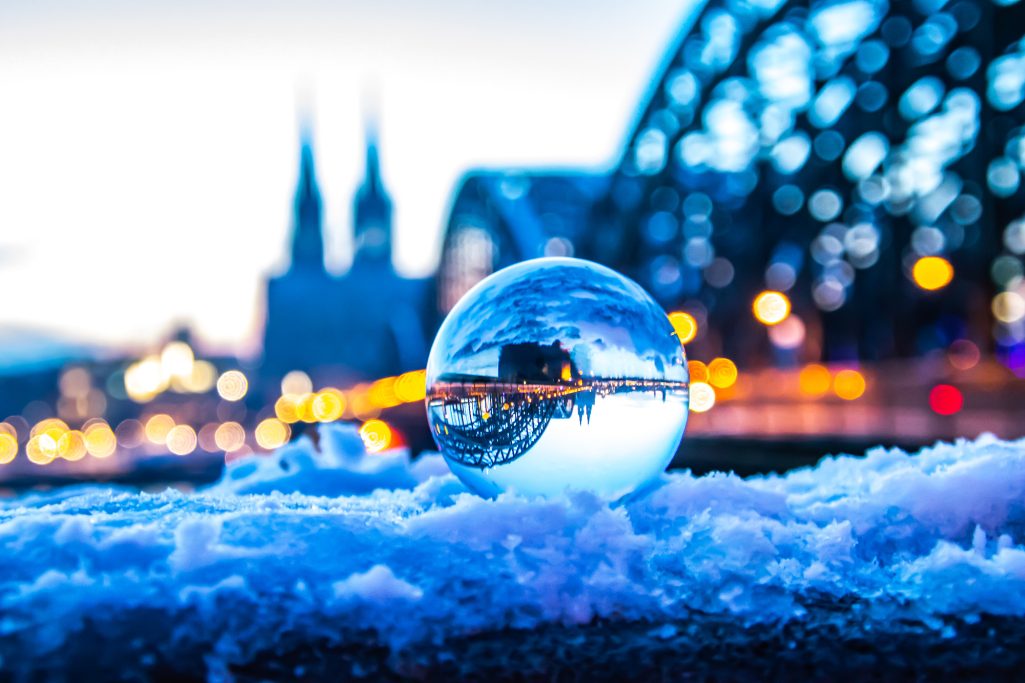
364,324
533,362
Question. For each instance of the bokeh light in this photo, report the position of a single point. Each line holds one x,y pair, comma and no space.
158,427
181,440
100,440
382,393
377,435
286,409
722,373
685,325
207,436
815,380
789,334
130,433
964,354
411,386
145,379
230,436
71,445
41,449
271,433
200,380
8,429
8,448
945,399
328,405
232,385
771,307
697,371
304,408
55,426
702,397
176,359
932,272
296,383
1008,307
849,384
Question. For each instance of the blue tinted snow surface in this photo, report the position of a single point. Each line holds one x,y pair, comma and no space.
338,542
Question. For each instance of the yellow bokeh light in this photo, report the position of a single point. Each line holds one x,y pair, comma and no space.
698,371
815,380
181,440
200,380
411,386
8,429
230,437
41,450
932,272
8,448
145,379
176,359
272,433
361,405
771,308
377,435
304,408
702,397
328,405
1008,307
71,445
232,385
722,373
100,441
50,423
296,382
158,427
382,393
685,326
286,408
849,384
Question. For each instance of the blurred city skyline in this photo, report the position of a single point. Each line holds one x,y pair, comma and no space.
150,153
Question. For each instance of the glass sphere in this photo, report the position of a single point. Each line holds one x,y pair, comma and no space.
557,374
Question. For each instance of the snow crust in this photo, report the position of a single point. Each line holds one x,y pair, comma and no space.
347,546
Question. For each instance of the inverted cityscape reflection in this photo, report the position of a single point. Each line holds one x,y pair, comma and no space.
557,374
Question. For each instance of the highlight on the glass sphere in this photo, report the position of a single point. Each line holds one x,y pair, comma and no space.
557,374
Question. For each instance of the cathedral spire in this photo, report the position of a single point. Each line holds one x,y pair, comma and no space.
372,211
307,234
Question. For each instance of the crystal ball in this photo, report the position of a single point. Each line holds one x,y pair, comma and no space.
556,374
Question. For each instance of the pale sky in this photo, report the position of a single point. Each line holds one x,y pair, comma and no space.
148,151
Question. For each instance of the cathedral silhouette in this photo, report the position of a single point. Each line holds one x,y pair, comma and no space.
363,324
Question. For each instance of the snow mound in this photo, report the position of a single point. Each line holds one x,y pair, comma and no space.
415,560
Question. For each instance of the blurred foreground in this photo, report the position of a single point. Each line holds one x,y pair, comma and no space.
888,565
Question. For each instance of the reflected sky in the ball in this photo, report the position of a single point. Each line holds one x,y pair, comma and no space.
607,322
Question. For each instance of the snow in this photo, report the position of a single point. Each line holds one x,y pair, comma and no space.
348,546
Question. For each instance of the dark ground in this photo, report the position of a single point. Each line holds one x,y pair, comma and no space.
832,644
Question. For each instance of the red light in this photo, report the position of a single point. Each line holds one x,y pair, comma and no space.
945,399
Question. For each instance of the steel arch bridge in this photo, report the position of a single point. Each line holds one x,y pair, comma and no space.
493,428
815,146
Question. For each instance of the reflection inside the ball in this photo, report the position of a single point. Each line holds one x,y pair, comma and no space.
557,374
544,424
